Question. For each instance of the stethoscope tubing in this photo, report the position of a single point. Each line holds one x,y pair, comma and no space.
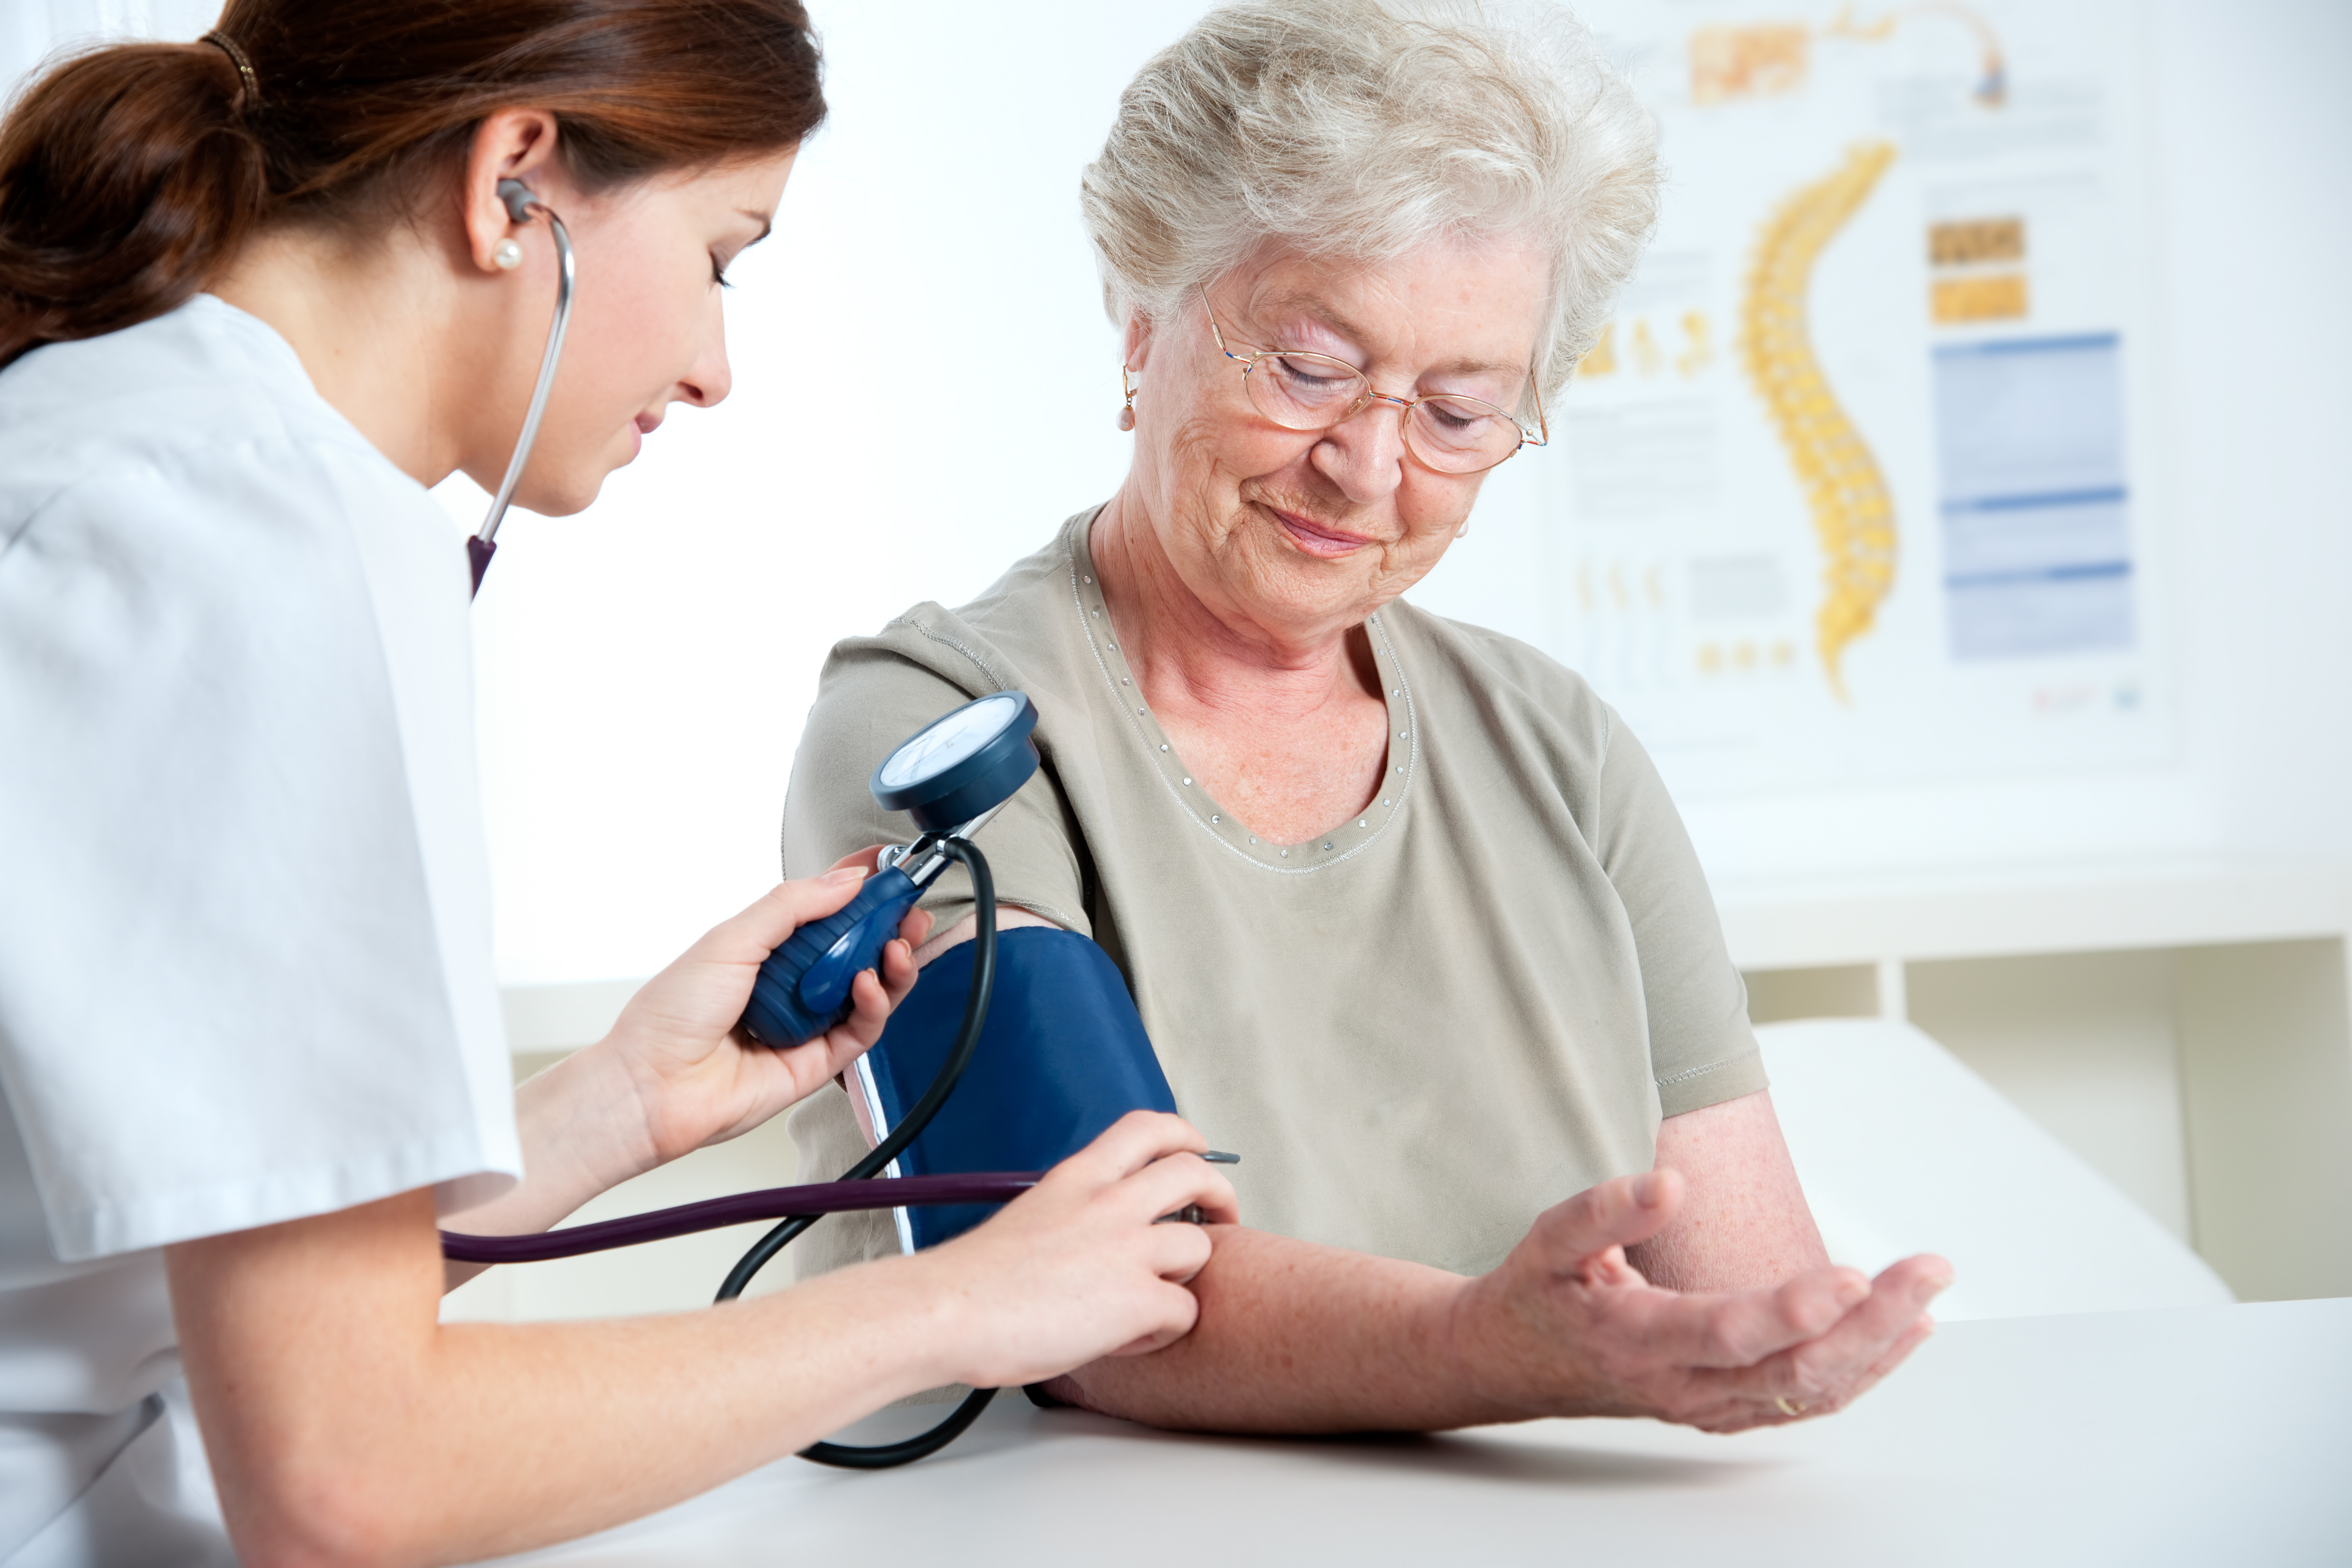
809,1201
485,542
862,1186
797,1208
910,1126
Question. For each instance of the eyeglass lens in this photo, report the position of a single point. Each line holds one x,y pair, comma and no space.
1310,392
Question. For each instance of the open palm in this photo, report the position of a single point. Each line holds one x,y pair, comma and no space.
1566,1326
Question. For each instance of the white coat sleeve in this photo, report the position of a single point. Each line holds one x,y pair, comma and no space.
225,1001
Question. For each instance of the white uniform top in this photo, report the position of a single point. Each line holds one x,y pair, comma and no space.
244,922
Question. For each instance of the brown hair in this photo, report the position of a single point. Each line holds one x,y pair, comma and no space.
130,176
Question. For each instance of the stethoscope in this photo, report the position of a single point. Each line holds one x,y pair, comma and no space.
520,204
950,778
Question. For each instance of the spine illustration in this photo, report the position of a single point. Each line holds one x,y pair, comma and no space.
1854,516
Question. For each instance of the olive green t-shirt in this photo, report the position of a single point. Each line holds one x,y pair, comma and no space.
1418,1029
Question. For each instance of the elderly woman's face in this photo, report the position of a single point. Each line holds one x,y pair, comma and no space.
1305,534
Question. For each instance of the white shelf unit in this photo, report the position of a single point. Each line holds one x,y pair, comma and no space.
2186,1026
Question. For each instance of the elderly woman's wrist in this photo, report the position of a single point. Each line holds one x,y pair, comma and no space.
1517,1362
1460,1347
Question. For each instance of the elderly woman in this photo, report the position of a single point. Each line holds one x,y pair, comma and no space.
1406,911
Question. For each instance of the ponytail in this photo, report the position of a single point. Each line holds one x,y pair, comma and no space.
132,175
127,181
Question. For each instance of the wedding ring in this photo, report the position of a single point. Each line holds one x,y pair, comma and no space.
1786,1407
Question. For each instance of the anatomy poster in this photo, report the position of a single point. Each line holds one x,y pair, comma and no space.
1855,486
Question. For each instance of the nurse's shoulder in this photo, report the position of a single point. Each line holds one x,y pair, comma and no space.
181,485
201,397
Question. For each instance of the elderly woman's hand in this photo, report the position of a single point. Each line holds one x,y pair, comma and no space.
1567,1327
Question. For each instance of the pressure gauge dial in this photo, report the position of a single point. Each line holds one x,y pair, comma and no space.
961,765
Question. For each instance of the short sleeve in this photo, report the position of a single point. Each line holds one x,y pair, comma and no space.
1702,1049
230,994
875,693
871,698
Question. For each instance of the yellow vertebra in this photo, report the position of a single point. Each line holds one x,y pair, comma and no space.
1854,516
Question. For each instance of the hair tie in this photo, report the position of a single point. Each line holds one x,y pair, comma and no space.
249,91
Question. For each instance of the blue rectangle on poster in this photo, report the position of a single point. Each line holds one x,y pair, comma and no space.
2037,531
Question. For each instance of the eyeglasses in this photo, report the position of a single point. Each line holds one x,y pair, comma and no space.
1445,431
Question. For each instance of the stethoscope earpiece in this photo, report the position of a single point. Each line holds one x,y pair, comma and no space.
517,199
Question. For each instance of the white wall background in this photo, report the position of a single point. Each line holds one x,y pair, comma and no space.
925,386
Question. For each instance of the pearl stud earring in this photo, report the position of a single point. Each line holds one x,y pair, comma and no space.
507,255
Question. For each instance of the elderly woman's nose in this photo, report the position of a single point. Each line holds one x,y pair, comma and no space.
1365,456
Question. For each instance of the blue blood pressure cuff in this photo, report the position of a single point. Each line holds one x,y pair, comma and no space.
1062,1056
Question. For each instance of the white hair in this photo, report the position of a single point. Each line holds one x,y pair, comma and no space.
1365,129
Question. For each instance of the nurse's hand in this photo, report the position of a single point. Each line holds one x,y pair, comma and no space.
695,1078
674,1075
1077,1268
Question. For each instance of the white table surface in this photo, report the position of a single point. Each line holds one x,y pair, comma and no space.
2201,1436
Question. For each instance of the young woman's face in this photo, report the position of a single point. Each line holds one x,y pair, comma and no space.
647,324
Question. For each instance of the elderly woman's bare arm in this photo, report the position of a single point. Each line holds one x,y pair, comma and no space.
1743,1224
1297,1337
1294,1337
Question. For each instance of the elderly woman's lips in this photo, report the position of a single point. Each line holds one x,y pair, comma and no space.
1314,538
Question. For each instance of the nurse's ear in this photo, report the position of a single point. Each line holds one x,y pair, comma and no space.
511,144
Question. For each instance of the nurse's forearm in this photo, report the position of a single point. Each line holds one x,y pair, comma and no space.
344,1425
583,1131
1294,1337
673,1075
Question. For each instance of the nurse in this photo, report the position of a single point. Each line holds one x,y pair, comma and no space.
257,294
